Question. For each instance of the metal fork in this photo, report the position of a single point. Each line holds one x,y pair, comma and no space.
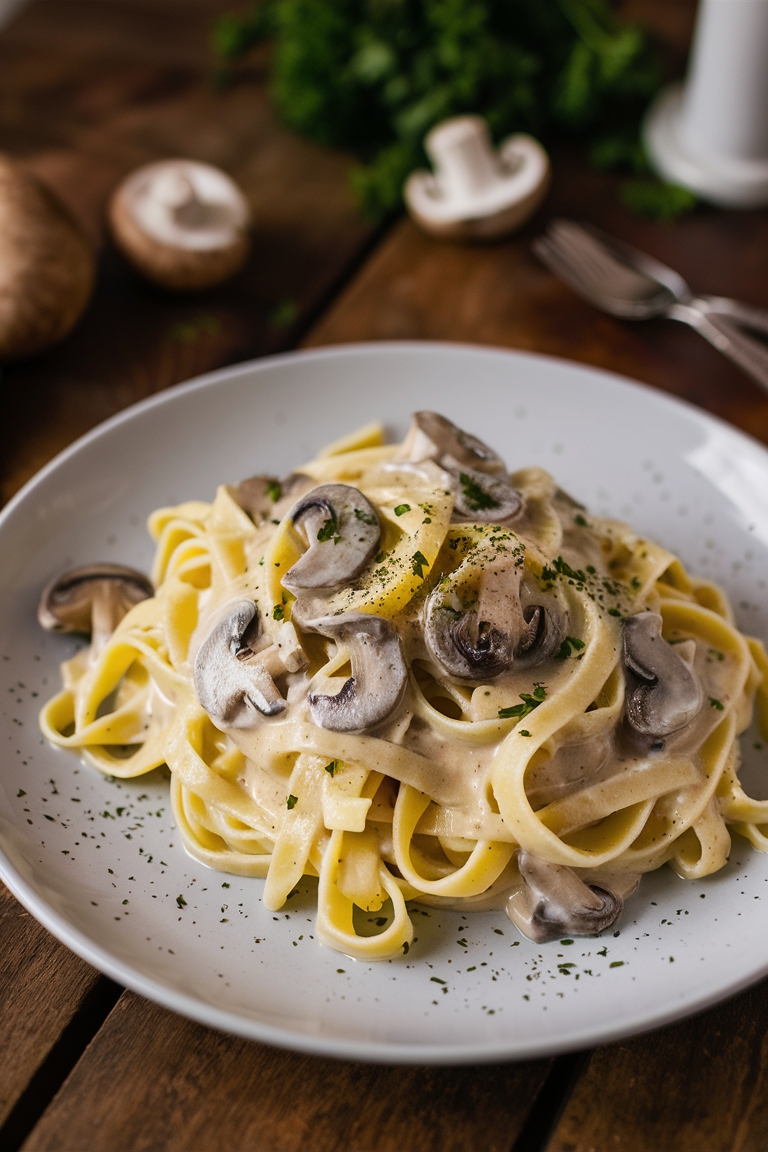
624,282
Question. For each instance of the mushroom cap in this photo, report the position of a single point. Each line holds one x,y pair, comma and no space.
66,603
663,693
476,193
342,531
47,266
182,224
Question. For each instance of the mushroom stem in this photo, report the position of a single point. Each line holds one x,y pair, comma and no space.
231,686
92,599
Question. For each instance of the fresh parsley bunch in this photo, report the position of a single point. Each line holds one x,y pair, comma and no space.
374,76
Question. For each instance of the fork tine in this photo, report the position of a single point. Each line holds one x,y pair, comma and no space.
609,274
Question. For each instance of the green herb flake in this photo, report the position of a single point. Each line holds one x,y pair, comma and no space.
329,530
476,497
614,612
568,645
437,980
616,964
406,948
529,702
278,612
331,769
581,521
523,732
401,509
291,802
181,902
21,792
418,563
715,704
274,490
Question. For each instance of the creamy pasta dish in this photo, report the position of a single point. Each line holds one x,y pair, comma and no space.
418,677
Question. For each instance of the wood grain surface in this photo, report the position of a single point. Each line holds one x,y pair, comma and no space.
153,1080
88,90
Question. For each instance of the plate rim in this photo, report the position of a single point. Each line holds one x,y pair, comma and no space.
378,1051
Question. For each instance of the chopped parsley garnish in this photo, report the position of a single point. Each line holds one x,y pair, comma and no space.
581,521
274,490
529,702
476,497
401,508
292,801
331,769
181,902
614,612
418,563
330,529
523,732
366,519
565,570
277,612
715,704
21,792
567,646
406,948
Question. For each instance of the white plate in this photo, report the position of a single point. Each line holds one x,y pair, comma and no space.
100,863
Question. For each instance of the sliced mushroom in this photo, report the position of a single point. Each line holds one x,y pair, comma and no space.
379,674
554,901
263,497
342,532
663,693
230,689
92,599
481,641
432,436
482,488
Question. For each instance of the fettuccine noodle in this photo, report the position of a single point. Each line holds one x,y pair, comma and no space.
502,702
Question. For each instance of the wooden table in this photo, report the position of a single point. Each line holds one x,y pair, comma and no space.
88,90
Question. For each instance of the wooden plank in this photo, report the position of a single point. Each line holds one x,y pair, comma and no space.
418,288
699,1086
132,85
151,1079
42,988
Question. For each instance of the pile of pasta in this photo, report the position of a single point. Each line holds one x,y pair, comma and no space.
438,803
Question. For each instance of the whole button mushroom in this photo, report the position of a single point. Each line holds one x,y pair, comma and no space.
92,599
182,224
46,265
475,192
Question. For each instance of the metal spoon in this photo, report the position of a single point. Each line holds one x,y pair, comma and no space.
627,283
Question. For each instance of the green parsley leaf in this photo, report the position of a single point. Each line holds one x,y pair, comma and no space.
476,497
529,702
567,646
581,521
364,517
329,530
418,563
278,612
181,902
614,612
523,732
332,768
291,802
716,704
401,508
274,490
657,200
